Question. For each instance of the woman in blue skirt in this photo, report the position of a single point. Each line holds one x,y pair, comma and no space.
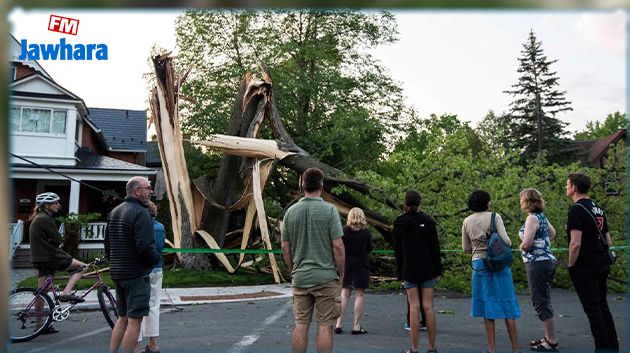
493,294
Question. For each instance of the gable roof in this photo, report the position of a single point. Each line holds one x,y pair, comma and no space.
601,146
27,86
123,130
15,48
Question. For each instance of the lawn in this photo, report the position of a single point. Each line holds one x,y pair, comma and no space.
180,278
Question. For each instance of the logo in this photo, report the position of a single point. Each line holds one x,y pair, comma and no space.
62,24
63,50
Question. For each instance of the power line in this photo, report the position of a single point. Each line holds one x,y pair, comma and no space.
105,192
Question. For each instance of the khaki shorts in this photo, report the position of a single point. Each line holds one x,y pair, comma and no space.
325,297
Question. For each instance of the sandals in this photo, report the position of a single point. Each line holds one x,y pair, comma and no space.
539,345
360,331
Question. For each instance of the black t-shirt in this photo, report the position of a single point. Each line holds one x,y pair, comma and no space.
592,252
358,245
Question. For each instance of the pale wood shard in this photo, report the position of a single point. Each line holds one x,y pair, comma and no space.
259,176
245,147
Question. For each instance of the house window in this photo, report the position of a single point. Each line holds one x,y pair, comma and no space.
38,120
12,74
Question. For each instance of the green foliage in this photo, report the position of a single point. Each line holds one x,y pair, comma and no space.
446,170
179,278
333,96
596,129
533,127
199,163
78,219
31,282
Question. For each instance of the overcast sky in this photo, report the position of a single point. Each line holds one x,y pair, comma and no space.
447,61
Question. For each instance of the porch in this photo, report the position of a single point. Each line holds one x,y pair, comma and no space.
91,245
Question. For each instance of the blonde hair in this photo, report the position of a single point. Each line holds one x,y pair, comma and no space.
152,209
534,201
356,219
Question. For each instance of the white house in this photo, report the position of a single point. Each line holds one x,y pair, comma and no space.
54,146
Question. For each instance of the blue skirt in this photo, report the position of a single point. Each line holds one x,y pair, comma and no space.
493,294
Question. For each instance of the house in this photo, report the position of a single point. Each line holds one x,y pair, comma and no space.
607,152
58,144
597,153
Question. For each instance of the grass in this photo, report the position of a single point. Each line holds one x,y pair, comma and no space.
179,278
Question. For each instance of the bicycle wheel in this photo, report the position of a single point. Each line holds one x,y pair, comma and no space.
108,305
29,314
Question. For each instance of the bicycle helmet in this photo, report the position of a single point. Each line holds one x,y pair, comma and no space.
45,198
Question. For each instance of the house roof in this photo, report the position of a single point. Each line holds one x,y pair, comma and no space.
153,154
89,160
600,147
15,48
123,130
93,161
17,89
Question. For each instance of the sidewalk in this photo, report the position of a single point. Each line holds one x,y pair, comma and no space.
191,296
186,296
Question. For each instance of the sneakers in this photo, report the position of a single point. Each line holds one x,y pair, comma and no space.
407,328
70,298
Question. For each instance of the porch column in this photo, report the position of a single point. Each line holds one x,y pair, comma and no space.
73,203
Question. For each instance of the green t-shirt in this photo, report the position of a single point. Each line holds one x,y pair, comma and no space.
310,226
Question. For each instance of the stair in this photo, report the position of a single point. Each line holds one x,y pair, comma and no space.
21,258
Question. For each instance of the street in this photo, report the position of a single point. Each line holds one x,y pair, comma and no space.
265,326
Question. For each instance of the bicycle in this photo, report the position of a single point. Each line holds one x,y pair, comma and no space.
32,311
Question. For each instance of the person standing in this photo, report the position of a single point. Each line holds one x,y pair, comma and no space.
493,293
150,326
130,249
46,254
589,265
314,253
540,265
357,241
419,264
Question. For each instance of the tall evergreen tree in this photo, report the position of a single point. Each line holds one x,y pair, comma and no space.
535,130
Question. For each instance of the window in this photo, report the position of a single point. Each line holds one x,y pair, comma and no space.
11,74
38,120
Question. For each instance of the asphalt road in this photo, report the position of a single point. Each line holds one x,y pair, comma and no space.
265,326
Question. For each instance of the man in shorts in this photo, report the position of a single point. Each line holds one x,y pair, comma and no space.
314,253
131,262
46,255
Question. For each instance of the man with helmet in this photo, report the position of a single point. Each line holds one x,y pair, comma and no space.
46,254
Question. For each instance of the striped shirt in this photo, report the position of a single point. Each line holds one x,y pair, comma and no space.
310,226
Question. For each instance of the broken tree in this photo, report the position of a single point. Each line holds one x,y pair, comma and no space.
213,209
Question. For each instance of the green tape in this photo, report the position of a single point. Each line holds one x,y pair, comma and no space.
277,251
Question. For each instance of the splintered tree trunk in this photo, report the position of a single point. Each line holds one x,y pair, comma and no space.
215,208
181,200
228,185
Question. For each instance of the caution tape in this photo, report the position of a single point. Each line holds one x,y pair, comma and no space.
278,251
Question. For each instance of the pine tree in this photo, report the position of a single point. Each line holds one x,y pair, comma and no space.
535,130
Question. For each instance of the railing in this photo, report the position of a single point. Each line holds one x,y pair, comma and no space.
16,231
92,235
93,232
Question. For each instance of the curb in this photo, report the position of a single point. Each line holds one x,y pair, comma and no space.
204,295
